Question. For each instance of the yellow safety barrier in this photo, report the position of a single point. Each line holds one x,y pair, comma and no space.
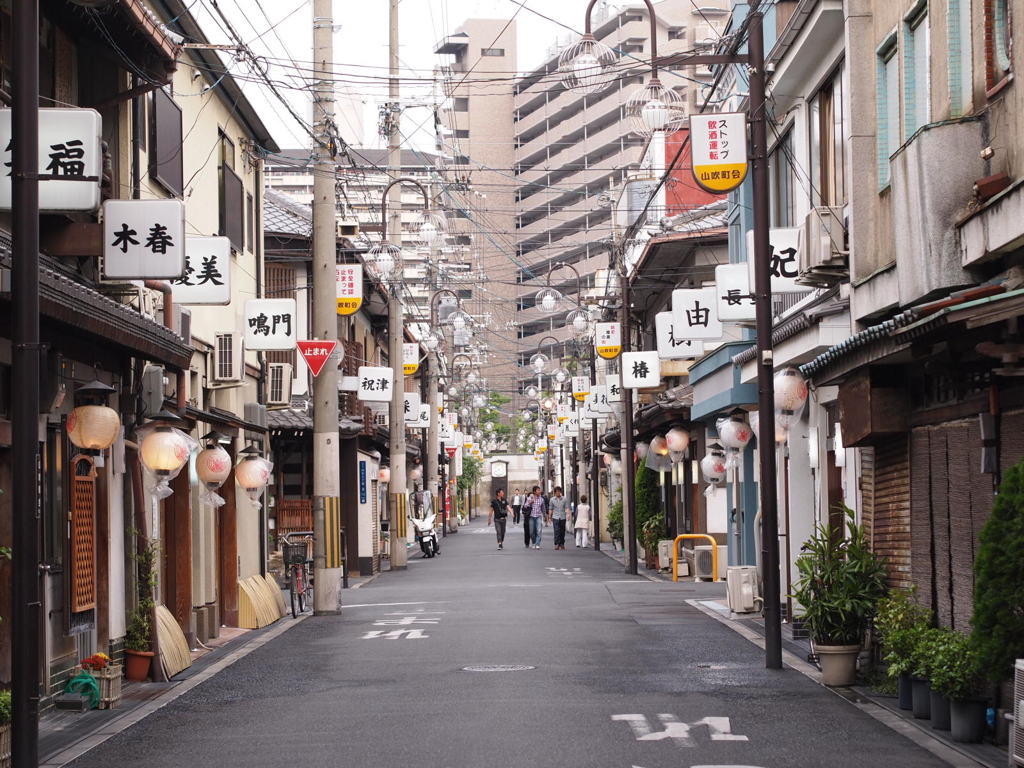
675,553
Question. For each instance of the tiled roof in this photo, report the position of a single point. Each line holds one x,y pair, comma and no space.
282,215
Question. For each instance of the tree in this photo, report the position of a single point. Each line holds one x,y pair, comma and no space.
650,525
998,619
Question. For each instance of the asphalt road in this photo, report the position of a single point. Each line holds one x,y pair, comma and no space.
616,671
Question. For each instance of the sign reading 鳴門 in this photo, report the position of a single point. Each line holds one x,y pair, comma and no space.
348,280
270,324
207,275
316,353
143,239
70,154
719,143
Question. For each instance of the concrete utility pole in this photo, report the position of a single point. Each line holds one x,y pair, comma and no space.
326,448
395,319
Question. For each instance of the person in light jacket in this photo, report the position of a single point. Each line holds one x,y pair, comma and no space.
517,506
582,525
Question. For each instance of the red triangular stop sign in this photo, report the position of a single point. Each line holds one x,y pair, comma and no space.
316,353
450,451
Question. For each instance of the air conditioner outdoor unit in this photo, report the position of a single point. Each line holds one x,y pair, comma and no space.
227,360
1017,727
742,588
822,249
702,561
279,384
665,554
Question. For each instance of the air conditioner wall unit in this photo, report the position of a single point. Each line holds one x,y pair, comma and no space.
1017,726
822,250
742,588
702,561
279,384
227,358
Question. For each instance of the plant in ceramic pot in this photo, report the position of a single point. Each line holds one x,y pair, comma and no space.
138,638
956,673
841,581
899,620
615,523
922,656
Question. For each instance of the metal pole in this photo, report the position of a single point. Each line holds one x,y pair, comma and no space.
629,489
595,461
326,448
399,556
430,445
25,641
765,370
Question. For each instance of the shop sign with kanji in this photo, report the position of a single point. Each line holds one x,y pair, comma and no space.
207,275
424,420
580,387
70,159
316,353
376,385
270,324
590,411
445,433
572,424
348,279
608,340
410,358
562,412
694,314
411,409
735,299
719,145
143,239
783,259
601,401
670,345
614,384
640,370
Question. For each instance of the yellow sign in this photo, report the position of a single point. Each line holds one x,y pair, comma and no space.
608,340
410,358
580,387
348,280
719,146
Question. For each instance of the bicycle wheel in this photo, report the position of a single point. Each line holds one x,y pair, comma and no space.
293,588
300,571
309,588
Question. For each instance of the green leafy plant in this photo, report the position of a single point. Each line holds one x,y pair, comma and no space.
998,619
615,521
651,532
955,667
472,471
899,621
138,636
5,707
841,581
648,501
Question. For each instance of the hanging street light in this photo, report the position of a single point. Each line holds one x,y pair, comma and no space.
548,299
585,66
253,472
94,426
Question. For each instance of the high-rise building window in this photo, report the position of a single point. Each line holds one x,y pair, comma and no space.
826,131
492,51
460,104
887,107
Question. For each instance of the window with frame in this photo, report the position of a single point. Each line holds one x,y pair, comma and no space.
999,42
492,51
828,175
232,196
958,51
916,79
165,156
460,104
782,182
887,108
250,218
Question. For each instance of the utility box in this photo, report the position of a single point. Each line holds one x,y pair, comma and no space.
742,588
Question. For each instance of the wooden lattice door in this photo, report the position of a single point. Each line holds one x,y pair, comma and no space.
83,535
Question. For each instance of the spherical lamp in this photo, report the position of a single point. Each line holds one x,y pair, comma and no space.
677,439
734,431
433,228
164,450
712,466
790,391
641,450
579,321
385,260
93,426
531,392
253,472
659,445
584,65
560,375
548,299
213,463
653,107
538,362
459,320
384,474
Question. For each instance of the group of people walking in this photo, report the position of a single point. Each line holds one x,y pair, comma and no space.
538,511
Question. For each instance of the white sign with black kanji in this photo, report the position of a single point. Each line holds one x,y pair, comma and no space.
207,276
783,259
376,385
270,324
143,239
614,384
734,297
640,370
411,409
670,346
424,417
694,315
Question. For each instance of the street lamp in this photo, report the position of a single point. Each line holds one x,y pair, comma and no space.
164,450
253,472
539,362
94,426
585,64
213,465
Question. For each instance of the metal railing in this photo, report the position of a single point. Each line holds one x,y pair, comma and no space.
675,553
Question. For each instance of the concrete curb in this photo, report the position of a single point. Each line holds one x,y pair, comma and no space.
127,720
940,749
606,553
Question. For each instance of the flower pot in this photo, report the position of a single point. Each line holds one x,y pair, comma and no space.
137,664
967,720
838,663
940,711
905,692
921,703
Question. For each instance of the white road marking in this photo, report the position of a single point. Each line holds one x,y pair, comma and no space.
405,621
395,634
379,605
719,728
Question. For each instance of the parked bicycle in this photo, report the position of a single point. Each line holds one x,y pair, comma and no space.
299,568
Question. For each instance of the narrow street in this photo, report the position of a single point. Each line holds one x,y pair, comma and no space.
615,671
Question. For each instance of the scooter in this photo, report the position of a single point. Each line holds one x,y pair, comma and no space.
426,536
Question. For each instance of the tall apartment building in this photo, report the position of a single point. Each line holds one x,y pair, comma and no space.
571,148
475,139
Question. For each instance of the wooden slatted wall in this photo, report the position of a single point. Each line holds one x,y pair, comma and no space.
83,536
888,502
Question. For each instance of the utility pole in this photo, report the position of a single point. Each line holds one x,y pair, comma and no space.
25,645
326,448
396,321
626,438
595,461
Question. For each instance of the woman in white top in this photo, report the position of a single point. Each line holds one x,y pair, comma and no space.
582,525
517,506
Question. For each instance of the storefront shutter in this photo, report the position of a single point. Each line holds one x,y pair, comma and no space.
887,496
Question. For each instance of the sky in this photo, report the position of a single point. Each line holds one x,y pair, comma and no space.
281,31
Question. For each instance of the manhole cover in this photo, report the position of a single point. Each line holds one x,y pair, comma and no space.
498,668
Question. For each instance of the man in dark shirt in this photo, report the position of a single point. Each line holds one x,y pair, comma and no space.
499,516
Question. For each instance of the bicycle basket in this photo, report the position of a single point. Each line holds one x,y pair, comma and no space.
295,554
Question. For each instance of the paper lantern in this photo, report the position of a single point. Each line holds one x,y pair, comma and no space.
416,473
253,474
734,432
213,465
790,391
678,439
384,474
164,450
712,466
93,427
659,445
641,450
781,432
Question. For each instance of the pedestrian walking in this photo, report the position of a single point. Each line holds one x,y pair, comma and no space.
582,524
557,509
499,516
534,513
517,506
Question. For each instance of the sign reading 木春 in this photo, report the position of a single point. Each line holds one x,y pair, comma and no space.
348,280
608,340
783,259
375,384
207,275
143,239
719,143
735,300
640,370
580,387
69,148
670,345
694,315
316,353
410,358
270,324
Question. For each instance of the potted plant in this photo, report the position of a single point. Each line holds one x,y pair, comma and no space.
921,658
652,532
899,620
615,524
138,637
841,581
648,507
5,729
108,677
956,674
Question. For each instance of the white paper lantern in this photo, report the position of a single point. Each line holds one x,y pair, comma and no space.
734,432
213,465
616,467
164,450
384,474
781,432
253,474
659,445
712,466
416,473
790,391
93,427
641,450
678,439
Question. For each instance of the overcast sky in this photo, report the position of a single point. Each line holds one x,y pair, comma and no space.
281,30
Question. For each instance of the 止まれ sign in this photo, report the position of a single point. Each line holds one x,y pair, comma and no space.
70,159
316,353
694,315
670,345
270,324
719,146
143,239
207,275
640,370
348,280
376,384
